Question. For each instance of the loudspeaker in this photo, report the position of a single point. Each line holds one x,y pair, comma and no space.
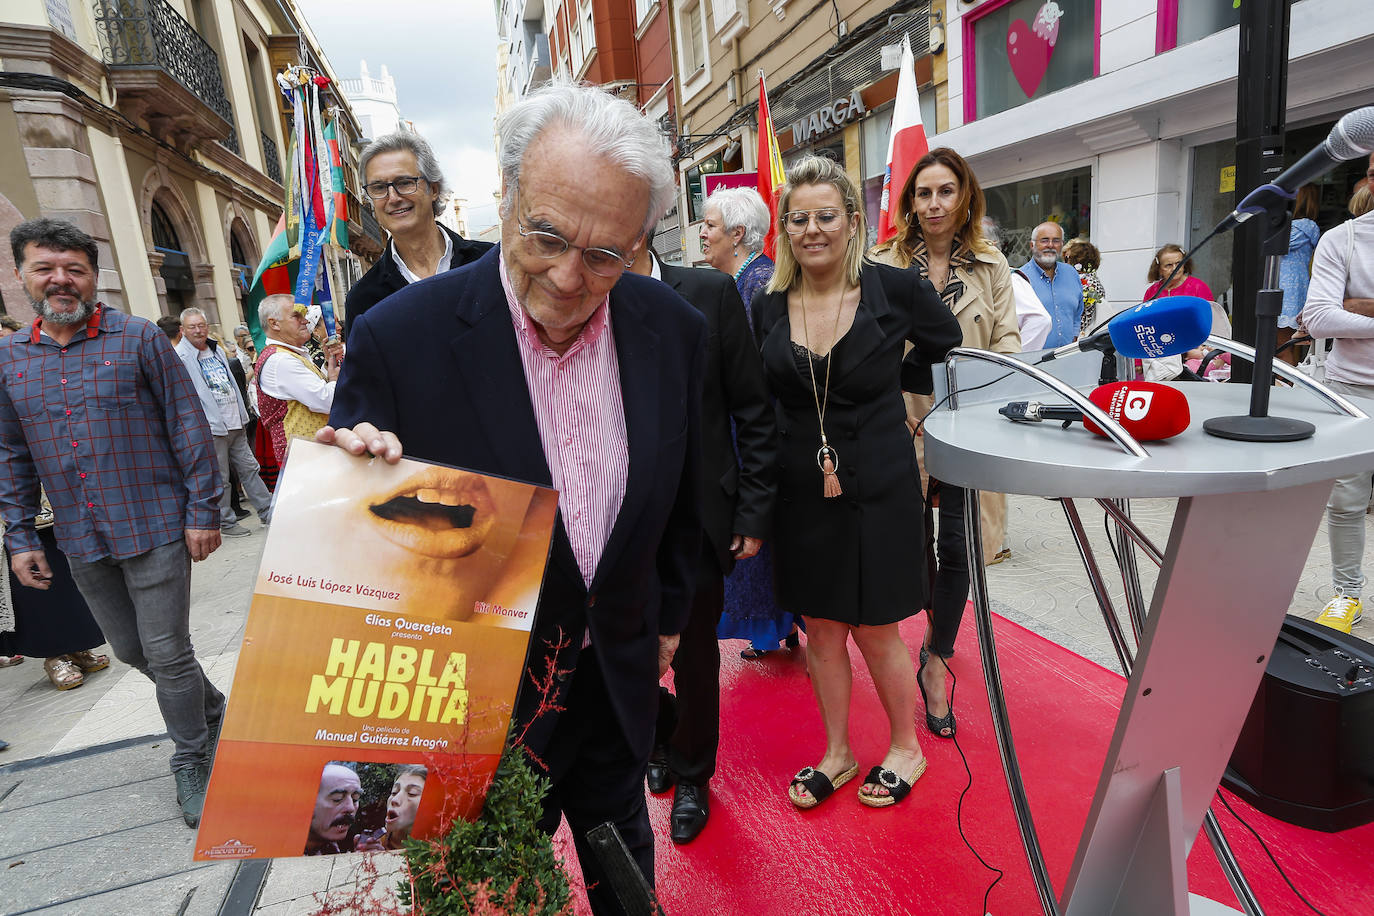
1306,752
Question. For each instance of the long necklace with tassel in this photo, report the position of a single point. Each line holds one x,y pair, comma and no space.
827,459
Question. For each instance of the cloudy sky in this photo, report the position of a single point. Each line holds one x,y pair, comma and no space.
443,58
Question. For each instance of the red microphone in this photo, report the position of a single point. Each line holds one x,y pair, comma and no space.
1148,411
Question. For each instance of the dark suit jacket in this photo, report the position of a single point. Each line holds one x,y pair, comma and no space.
438,364
736,494
384,277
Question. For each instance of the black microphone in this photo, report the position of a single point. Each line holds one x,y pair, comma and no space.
1351,138
1035,412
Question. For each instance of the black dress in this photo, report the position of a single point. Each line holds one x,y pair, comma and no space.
51,621
852,558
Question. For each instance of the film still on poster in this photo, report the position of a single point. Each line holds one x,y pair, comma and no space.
381,655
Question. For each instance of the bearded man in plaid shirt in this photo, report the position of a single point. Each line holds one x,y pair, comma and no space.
96,405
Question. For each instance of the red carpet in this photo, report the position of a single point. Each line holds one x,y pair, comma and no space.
760,856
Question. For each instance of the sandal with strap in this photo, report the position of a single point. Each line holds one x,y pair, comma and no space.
63,674
88,661
7,661
818,784
897,787
936,724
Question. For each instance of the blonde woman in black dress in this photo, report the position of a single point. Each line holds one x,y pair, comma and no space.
831,328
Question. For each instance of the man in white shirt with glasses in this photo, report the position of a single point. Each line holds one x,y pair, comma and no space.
406,189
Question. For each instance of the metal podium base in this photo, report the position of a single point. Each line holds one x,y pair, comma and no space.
1245,428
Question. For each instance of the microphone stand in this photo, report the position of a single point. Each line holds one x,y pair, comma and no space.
1258,426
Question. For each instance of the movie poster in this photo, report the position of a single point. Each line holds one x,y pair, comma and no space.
380,658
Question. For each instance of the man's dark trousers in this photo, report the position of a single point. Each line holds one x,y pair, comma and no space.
689,724
595,784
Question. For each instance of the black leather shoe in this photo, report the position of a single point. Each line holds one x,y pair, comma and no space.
691,808
660,778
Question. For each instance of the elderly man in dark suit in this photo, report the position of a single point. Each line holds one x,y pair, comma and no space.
737,494
541,362
403,183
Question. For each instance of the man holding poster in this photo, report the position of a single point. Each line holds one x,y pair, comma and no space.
545,361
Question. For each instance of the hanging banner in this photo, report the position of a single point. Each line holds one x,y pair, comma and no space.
381,656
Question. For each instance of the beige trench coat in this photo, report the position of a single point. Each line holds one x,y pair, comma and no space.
987,313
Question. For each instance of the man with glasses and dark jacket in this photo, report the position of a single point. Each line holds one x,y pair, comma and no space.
407,190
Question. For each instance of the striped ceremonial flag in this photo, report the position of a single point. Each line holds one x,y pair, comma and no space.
338,231
905,145
276,273
771,176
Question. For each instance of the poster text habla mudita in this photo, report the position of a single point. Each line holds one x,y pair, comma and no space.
365,680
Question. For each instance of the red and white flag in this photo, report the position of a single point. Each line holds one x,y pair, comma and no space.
906,144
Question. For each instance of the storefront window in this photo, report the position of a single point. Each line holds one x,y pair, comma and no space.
1017,208
696,190
1183,22
1026,49
873,158
1213,197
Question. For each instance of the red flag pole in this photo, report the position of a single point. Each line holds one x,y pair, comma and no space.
770,173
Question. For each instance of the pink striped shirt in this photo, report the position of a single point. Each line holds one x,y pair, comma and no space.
581,417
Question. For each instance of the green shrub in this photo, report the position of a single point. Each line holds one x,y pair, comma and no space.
499,864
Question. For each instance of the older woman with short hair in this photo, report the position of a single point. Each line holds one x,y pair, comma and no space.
1086,259
734,223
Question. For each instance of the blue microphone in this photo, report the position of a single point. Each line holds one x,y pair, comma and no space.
1162,327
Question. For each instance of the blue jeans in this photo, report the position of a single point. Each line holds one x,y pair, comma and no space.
143,606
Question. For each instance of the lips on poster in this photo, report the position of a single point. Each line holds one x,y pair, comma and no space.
381,655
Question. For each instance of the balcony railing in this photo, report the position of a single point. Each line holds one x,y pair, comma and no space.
231,142
271,162
144,34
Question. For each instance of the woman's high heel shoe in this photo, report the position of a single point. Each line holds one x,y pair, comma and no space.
937,725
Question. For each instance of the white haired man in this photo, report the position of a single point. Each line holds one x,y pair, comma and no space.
545,361
403,182
294,394
208,365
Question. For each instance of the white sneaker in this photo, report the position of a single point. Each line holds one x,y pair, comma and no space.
1341,613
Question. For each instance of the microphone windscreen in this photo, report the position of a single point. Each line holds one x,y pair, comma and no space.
1148,411
1166,326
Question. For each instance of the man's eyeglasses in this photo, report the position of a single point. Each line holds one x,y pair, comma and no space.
1057,243
827,220
405,185
604,262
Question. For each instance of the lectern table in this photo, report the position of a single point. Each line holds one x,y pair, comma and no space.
1247,514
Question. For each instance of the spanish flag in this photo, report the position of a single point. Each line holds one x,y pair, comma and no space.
771,176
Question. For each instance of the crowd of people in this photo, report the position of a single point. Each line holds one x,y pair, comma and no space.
736,448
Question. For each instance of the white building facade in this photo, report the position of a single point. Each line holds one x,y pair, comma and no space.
1124,128
374,102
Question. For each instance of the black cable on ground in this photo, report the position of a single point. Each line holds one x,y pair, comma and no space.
1265,847
968,771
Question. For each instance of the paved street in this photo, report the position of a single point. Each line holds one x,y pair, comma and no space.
90,822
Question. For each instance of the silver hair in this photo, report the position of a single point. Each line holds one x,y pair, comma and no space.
271,307
191,311
416,145
744,208
243,328
608,126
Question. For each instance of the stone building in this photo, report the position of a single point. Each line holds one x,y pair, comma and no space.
157,127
